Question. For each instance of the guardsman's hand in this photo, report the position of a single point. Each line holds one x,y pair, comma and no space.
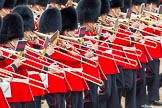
17,62
135,24
54,68
89,54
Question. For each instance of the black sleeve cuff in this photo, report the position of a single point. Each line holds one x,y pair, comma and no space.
132,30
132,40
45,69
142,33
94,51
83,59
154,25
14,67
109,44
101,37
83,45
47,57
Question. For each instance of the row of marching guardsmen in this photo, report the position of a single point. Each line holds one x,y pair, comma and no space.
86,54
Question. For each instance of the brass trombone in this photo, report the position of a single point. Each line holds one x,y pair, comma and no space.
73,69
6,72
136,37
80,40
112,55
100,81
14,53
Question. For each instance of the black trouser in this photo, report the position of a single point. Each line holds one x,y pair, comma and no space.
160,77
94,98
109,97
55,100
120,83
36,103
153,85
19,105
130,88
75,100
141,86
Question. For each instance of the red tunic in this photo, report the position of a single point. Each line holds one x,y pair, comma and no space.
3,101
154,52
104,63
92,71
143,58
34,74
122,43
126,46
76,83
21,92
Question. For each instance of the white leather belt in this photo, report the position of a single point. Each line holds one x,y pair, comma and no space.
129,48
142,41
149,37
94,58
73,69
6,88
32,72
20,80
157,38
44,78
108,51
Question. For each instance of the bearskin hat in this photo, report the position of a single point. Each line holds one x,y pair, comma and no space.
2,4
157,2
127,5
88,10
105,6
42,2
10,3
138,2
31,2
12,28
69,19
50,21
21,2
116,3
0,22
61,2
26,15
